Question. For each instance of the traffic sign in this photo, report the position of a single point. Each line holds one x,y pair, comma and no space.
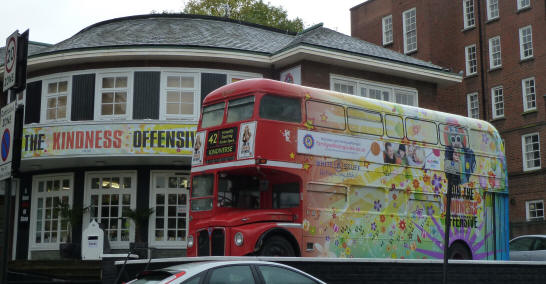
10,61
7,123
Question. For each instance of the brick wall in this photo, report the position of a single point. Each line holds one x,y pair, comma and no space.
442,39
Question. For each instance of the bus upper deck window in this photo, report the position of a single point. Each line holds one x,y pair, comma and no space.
280,108
240,109
213,115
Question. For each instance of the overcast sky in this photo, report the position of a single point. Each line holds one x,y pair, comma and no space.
52,21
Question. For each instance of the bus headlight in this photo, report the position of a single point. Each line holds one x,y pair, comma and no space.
190,241
238,239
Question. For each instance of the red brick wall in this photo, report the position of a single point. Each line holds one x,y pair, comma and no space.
441,40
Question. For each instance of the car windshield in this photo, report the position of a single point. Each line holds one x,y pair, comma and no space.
239,191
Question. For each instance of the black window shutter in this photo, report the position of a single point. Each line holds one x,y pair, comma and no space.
83,97
211,82
33,102
146,95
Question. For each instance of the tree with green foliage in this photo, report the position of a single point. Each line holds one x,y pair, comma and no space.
252,11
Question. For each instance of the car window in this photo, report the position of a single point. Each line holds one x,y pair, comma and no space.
151,277
193,280
234,274
540,244
523,244
279,275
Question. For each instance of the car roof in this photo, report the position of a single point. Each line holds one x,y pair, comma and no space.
211,264
529,236
195,268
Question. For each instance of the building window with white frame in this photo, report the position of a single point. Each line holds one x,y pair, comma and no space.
55,102
522,4
492,9
495,60
387,30
181,96
529,95
374,90
169,197
109,195
526,42
531,151
48,228
534,210
468,14
497,99
410,30
343,86
114,96
473,105
471,60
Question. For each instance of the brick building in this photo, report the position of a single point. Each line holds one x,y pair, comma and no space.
500,49
125,82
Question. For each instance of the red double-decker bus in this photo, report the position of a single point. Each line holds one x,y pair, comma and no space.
285,170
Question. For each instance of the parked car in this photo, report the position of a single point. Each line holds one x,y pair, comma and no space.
226,272
528,247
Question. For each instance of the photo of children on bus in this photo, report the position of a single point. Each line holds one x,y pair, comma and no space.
402,154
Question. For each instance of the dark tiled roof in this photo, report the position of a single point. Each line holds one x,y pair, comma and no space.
33,48
327,38
180,30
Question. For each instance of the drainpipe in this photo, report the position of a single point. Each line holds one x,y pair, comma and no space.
482,65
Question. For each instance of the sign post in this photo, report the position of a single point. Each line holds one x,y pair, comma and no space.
15,67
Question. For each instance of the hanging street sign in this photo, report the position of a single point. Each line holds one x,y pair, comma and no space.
7,123
10,61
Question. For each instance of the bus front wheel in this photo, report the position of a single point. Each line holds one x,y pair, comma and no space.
277,246
459,251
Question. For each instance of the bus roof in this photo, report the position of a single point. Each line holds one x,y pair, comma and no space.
292,90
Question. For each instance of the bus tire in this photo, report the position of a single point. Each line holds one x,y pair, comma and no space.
459,250
277,246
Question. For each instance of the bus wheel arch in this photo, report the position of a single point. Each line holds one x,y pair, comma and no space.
277,237
459,250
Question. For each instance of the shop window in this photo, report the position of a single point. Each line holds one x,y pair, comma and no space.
48,229
169,197
109,196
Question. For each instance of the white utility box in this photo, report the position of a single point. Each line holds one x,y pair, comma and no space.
92,242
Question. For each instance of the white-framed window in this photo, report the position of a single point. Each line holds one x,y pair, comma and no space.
169,196
180,95
473,105
522,4
114,96
526,42
374,90
471,60
343,86
492,9
468,14
534,210
531,151
56,99
497,100
387,30
109,195
529,94
410,30
495,60
235,77
47,228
